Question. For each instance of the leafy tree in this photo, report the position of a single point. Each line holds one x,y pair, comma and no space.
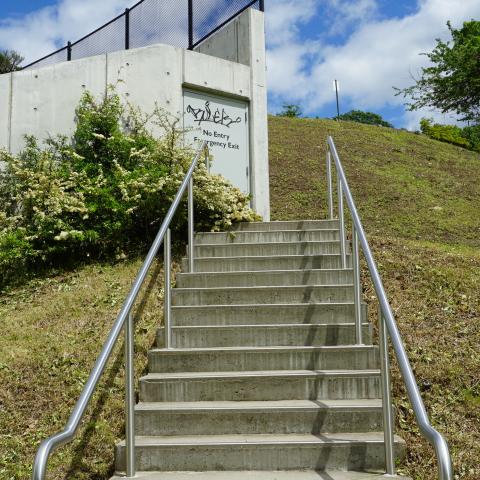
10,61
365,117
292,111
452,82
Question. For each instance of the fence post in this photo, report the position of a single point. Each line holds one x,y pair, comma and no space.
127,29
190,24
69,51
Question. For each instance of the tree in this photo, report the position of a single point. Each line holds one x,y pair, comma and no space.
365,117
10,61
292,111
452,82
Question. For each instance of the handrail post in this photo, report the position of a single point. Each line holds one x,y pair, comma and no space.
341,219
329,185
167,297
191,233
386,395
129,397
357,287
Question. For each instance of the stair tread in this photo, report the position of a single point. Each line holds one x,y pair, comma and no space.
261,405
270,256
263,439
272,272
302,326
236,232
262,287
292,242
256,305
264,475
260,373
274,348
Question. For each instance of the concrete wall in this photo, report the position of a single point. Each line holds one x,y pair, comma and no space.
42,102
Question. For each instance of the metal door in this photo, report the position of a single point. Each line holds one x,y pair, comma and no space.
223,123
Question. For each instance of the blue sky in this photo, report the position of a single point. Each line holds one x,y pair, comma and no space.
368,45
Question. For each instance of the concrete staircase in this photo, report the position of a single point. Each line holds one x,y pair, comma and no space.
266,381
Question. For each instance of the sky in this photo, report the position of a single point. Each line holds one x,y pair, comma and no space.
369,46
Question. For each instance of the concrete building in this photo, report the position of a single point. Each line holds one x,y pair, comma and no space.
219,90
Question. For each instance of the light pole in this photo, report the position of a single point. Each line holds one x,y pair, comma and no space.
336,86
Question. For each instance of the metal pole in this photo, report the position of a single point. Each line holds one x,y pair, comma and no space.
357,287
69,51
191,266
386,395
127,29
167,298
190,24
338,103
262,5
329,184
341,219
129,398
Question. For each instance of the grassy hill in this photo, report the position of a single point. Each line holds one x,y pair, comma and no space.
419,200
420,204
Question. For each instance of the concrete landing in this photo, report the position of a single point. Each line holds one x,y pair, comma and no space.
290,475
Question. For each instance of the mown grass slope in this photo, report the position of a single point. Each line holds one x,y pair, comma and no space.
419,200
420,203
52,332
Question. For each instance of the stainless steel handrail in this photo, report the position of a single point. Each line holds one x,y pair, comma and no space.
445,471
47,446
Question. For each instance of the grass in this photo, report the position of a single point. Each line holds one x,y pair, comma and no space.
419,200
52,332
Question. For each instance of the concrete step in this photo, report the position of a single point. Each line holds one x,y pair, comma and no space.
263,249
267,236
300,313
282,417
265,278
268,262
262,295
264,335
285,225
260,452
265,475
230,359
260,385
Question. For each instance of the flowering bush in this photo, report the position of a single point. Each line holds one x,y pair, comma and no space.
105,192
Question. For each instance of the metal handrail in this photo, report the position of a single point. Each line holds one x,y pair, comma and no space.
124,319
388,326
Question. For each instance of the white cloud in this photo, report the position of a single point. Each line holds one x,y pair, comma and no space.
378,54
45,30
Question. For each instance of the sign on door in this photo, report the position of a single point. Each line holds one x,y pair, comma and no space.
223,123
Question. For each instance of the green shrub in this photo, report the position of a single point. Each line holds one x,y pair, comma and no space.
445,133
105,192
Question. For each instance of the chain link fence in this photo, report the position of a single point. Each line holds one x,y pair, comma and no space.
181,23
